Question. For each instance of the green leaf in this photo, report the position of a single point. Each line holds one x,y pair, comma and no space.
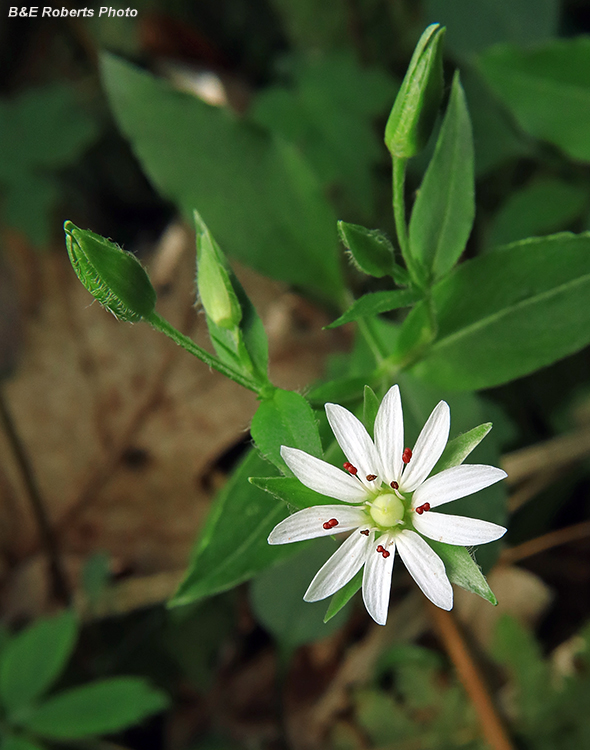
232,546
505,314
370,408
547,89
474,25
258,197
15,742
442,218
277,598
291,491
462,569
375,303
457,450
370,250
541,207
328,110
98,708
340,391
341,598
32,660
285,419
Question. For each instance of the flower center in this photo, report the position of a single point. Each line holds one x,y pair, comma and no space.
387,509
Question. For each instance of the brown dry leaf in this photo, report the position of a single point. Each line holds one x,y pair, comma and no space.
122,428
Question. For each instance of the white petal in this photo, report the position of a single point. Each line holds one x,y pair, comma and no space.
323,477
456,482
429,447
426,568
457,529
389,435
377,579
354,441
344,564
308,523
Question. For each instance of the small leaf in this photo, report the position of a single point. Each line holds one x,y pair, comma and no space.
32,660
375,303
462,569
277,598
285,419
341,598
370,250
370,408
457,450
232,546
291,491
442,218
97,708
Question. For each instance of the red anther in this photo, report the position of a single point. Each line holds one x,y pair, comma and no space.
365,532
370,477
327,525
385,553
406,455
426,506
333,522
380,548
419,510
395,485
350,468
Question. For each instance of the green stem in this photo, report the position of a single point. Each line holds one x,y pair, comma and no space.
399,208
373,342
162,325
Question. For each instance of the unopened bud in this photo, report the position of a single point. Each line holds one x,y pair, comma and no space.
370,250
113,276
213,280
416,106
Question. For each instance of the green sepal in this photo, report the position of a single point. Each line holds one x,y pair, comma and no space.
291,491
371,251
341,598
462,570
457,450
370,408
416,106
113,276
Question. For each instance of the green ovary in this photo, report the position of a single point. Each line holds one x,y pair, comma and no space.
387,510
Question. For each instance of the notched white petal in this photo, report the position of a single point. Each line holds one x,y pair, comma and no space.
354,440
377,579
389,435
456,482
429,447
309,523
459,530
344,564
426,568
323,477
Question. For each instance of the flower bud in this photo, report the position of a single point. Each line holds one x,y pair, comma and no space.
370,250
213,280
113,276
415,108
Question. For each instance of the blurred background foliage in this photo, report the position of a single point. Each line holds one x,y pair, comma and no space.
281,135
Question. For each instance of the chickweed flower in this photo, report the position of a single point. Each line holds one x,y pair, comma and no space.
389,505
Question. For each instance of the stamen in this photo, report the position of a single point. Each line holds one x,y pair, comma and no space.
422,508
385,553
327,525
370,477
365,532
406,455
350,468
394,485
380,548
330,524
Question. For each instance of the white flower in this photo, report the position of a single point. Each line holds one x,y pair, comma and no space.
390,500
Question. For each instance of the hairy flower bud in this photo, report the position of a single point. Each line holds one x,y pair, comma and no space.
415,108
113,276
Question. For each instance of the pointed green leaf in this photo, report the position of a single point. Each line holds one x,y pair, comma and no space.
444,210
462,570
285,419
457,450
32,660
98,708
375,303
232,546
341,598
